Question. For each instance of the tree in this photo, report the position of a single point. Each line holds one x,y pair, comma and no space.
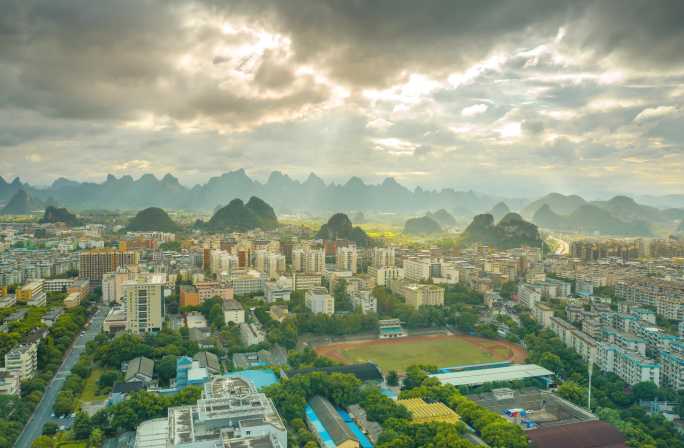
65,403
166,369
43,442
96,438
646,390
392,378
50,428
108,378
82,426
572,391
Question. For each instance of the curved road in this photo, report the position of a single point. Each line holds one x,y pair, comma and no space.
34,427
563,246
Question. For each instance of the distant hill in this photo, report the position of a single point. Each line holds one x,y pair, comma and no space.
499,211
443,218
238,216
626,209
590,219
422,226
559,203
152,219
340,227
54,215
511,231
21,203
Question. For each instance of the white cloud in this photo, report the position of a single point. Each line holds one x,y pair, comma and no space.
654,112
475,109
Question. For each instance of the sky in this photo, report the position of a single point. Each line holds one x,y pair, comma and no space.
516,97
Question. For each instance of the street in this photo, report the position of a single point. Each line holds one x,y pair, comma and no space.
41,415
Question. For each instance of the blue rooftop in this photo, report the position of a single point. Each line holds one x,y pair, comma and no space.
260,377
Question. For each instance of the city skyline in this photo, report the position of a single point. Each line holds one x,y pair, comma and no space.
511,99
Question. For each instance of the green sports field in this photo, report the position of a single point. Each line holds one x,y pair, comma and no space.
441,351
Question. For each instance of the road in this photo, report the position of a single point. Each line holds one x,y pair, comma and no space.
34,427
563,246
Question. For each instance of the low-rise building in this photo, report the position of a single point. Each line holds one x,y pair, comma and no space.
423,412
233,311
364,301
10,383
252,333
140,369
231,413
72,300
32,293
318,301
630,366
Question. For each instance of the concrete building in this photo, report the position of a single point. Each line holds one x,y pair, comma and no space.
308,261
346,259
231,413
417,295
10,383
364,301
382,257
384,275
630,366
93,264
72,300
542,314
672,366
252,333
528,295
32,293
280,289
417,270
305,282
318,301
250,282
188,296
144,298
22,360
233,311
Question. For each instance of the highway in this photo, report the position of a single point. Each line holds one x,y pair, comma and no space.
41,415
563,246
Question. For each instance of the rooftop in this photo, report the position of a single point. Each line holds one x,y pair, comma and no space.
498,374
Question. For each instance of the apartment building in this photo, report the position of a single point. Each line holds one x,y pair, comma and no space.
630,366
188,296
542,314
364,301
382,257
306,281
23,360
32,293
417,295
250,282
10,383
280,289
672,366
528,295
318,301
418,269
308,260
144,298
93,264
384,275
346,259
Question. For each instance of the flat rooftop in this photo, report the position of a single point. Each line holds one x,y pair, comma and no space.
492,375
542,407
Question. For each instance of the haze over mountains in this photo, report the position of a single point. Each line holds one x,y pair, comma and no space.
620,215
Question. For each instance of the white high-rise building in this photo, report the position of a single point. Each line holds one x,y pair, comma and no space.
383,257
144,298
347,259
308,261
223,261
418,270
